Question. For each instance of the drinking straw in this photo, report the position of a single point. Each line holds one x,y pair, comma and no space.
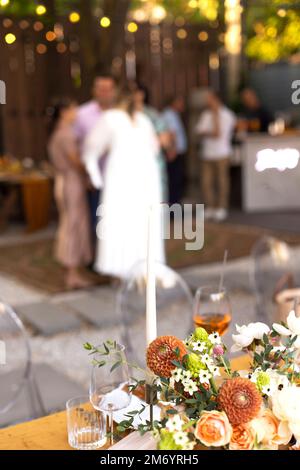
221,285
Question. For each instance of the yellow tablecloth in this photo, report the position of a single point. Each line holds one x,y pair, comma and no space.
50,433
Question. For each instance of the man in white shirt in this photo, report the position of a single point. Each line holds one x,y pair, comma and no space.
215,127
104,93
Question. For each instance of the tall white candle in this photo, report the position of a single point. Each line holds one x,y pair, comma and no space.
151,321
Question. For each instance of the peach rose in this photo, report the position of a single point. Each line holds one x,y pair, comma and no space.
213,429
243,438
269,430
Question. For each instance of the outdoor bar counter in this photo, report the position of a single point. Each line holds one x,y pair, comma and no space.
271,172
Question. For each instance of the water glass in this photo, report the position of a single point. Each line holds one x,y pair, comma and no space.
86,426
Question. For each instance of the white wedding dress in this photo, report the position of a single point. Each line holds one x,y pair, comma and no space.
131,184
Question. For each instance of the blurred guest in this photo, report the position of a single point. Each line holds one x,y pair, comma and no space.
253,117
172,116
141,101
104,92
73,244
215,127
132,185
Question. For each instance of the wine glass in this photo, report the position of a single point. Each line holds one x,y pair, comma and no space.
109,387
212,310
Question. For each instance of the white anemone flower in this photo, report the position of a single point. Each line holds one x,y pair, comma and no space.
247,334
293,329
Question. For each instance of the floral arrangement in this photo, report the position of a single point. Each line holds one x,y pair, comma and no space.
205,403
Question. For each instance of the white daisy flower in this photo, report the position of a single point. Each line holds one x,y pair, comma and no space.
186,374
190,445
215,338
204,376
181,438
190,387
172,382
206,359
215,370
174,424
198,346
188,340
177,374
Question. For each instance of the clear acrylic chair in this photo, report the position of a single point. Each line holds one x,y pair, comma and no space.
16,375
174,308
273,269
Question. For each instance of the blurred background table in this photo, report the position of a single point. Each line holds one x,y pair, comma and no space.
36,193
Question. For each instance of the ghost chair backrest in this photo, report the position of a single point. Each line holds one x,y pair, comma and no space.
174,307
15,358
273,269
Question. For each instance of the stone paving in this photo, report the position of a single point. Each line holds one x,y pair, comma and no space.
94,312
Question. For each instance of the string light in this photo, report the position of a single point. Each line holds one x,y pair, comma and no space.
158,14
4,3
181,33
59,31
41,10
140,15
50,36
105,22
41,49
74,17
61,48
7,23
214,61
24,24
132,27
10,38
203,36
233,36
193,4
180,21
38,26
281,12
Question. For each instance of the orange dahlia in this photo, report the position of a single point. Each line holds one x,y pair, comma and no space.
161,353
240,399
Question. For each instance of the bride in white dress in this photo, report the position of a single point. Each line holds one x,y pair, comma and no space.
131,184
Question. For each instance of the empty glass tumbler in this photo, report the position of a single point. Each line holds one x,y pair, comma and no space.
86,426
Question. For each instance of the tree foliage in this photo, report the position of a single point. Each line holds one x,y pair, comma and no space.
272,27
273,30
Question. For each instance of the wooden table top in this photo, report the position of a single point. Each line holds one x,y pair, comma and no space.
23,177
50,432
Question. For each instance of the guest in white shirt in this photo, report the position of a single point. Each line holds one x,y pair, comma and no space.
215,127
